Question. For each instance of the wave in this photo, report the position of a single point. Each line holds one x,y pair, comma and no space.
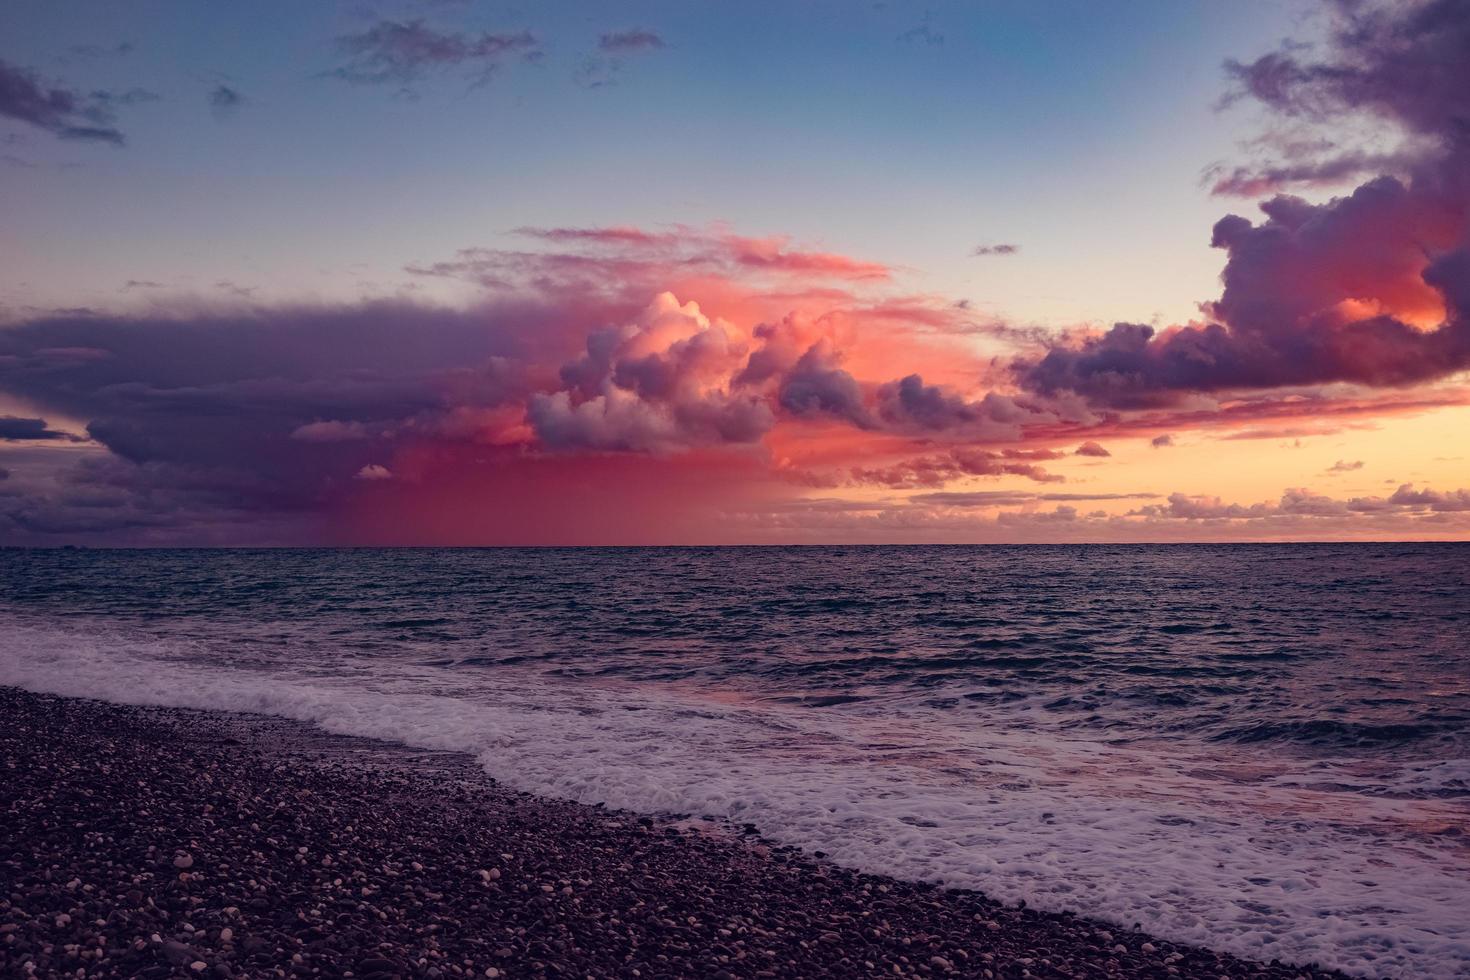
1334,732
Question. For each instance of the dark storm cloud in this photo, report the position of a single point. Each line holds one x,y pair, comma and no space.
205,411
63,112
405,51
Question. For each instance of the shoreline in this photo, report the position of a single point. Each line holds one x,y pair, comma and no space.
162,842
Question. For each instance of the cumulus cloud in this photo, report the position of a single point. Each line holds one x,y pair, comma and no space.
910,405
659,383
374,471
1345,466
1298,503
1091,448
1162,442
816,385
1371,288
1453,501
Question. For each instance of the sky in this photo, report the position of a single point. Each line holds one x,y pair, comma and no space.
431,272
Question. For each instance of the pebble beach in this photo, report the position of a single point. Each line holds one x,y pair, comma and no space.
152,842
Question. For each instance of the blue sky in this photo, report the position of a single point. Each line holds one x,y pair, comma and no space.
905,132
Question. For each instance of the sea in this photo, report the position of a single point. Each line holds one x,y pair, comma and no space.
1264,749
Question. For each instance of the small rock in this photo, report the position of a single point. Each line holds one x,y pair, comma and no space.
376,964
177,953
184,860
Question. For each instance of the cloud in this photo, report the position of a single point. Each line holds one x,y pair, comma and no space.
222,414
997,498
630,42
63,112
101,50
1003,249
1455,501
373,471
16,429
1343,466
927,472
922,34
331,430
817,386
234,289
910,405
714,248
1297,503
1162,442
1243,181
1091,448
1370,288
225,101
404,52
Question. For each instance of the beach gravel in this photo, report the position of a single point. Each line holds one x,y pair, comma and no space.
149,842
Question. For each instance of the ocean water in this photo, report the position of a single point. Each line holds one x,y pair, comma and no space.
1265,749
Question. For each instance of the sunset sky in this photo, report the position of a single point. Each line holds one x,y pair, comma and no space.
447,272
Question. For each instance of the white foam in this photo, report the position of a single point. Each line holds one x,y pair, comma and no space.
1255,863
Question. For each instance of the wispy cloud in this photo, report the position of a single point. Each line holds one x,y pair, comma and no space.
404,52
62,111
225,101
630,42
